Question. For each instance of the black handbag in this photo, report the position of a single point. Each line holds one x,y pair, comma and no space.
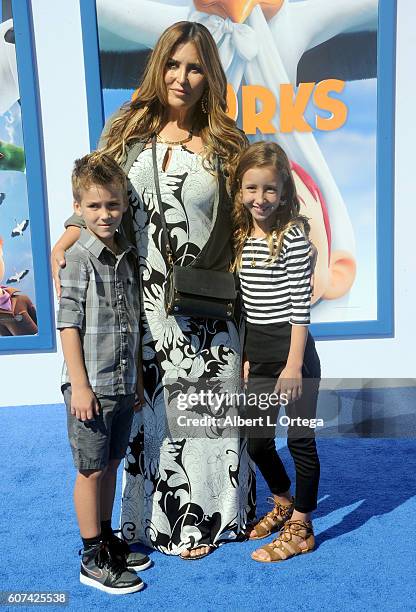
192,291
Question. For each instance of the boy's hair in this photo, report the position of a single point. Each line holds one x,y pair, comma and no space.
96,169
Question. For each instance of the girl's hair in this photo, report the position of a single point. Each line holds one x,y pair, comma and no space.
265,155
143,116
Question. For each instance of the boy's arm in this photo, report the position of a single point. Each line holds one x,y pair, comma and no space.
74,279
84,404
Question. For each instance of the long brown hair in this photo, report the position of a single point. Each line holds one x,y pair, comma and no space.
143,116
261,155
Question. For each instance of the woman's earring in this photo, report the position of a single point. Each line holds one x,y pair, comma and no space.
204,103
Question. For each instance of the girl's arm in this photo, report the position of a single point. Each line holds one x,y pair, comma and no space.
246,369
296,257
297,347
289,382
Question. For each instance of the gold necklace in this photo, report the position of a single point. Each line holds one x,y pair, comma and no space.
173,143
253,262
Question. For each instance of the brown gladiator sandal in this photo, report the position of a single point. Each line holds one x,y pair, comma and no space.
284,547
272,521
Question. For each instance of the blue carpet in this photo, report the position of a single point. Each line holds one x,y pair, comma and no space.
365,557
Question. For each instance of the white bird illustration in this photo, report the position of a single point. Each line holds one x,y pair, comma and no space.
17,276
20,228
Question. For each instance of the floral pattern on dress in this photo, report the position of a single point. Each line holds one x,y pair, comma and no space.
181,491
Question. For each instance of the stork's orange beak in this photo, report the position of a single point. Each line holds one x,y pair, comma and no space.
238,10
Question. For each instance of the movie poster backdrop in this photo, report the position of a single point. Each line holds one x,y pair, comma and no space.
318,78
26,319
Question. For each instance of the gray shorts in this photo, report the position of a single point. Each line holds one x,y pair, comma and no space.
95,443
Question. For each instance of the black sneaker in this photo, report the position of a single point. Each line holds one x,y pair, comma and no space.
120,551
100,571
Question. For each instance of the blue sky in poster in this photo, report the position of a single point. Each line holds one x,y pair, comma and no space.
18,250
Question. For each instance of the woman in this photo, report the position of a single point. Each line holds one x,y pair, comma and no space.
182,494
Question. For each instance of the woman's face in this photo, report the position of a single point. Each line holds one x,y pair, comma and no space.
184,78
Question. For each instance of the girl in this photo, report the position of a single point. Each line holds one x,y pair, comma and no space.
272,258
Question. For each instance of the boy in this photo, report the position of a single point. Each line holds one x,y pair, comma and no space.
98,320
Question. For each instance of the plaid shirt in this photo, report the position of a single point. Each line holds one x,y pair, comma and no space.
100,296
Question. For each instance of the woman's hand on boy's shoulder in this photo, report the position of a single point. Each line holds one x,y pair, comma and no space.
68,238
57,263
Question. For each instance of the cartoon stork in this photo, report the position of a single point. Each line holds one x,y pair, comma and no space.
263,42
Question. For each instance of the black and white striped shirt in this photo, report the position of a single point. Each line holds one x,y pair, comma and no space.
278,292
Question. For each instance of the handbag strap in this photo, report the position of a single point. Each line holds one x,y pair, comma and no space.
168,244
166,238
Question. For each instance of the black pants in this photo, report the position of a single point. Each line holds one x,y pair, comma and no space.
301,439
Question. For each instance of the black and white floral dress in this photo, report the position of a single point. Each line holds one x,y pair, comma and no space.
181,491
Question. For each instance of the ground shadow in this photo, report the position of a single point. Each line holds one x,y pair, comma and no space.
377,474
